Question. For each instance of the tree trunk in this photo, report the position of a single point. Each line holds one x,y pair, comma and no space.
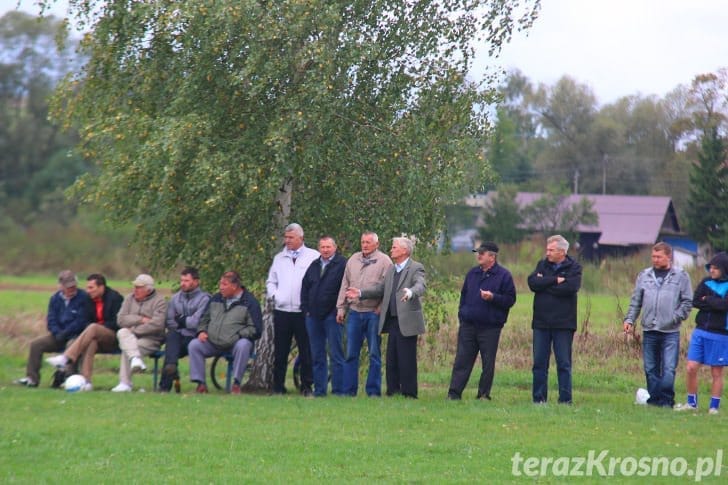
261,375
283,201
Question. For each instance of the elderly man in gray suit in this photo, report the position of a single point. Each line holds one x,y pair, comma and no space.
401,315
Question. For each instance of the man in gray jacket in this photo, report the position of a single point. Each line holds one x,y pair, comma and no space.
231,323
401,315
664,296
183,315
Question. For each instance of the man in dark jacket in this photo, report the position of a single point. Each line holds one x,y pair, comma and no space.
68,312
98,337
709,341
231,323
319,292
485,300
555,283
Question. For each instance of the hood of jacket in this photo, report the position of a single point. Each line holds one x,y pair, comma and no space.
720,261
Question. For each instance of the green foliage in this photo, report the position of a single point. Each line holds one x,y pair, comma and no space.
708,197
632,146
507,150
59,240
214,124
30,145
551,214
502,218
707,210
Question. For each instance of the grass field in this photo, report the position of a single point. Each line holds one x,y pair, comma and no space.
50,436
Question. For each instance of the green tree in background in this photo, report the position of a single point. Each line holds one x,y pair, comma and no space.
551,214
213,124
502,220
30,67
707,212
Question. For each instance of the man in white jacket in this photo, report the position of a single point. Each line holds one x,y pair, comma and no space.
284,288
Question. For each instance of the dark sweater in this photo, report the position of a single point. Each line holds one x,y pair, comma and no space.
319,292
711,299
554,304
474,309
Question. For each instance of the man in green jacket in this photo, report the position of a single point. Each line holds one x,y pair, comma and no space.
231,323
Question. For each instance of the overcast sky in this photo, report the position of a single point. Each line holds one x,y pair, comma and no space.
616,47
622,47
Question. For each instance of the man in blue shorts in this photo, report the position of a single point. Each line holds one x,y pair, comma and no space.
709,342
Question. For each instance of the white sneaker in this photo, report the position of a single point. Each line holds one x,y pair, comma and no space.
87,387
122,387
684,407
59,361
25,381
713,411
137,365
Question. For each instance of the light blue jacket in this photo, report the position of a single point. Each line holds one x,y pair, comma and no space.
663,307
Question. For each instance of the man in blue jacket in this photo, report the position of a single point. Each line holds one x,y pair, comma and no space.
319,291
709,341
68,314
485,300
555,283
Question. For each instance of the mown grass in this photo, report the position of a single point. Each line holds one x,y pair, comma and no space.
100,437
57,437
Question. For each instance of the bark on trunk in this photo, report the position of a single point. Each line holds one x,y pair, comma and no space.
261,375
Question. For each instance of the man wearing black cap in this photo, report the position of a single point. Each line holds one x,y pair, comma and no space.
485,299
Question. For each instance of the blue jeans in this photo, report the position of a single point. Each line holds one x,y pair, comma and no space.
543,340
320,331
360,325
661,352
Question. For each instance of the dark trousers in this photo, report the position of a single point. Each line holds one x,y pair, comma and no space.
401,361
471,340
543,340
287,325
175,347
38,346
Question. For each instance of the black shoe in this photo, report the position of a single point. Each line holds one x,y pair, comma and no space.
483,397
165,383
59,377
306,392
453,397
169,376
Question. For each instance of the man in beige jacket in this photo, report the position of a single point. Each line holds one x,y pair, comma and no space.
363,269
141,321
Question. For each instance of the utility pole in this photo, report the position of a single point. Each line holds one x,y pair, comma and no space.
605,160
576,181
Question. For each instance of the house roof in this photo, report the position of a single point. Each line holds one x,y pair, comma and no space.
624,220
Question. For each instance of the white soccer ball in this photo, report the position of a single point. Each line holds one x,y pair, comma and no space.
641,396
74,383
